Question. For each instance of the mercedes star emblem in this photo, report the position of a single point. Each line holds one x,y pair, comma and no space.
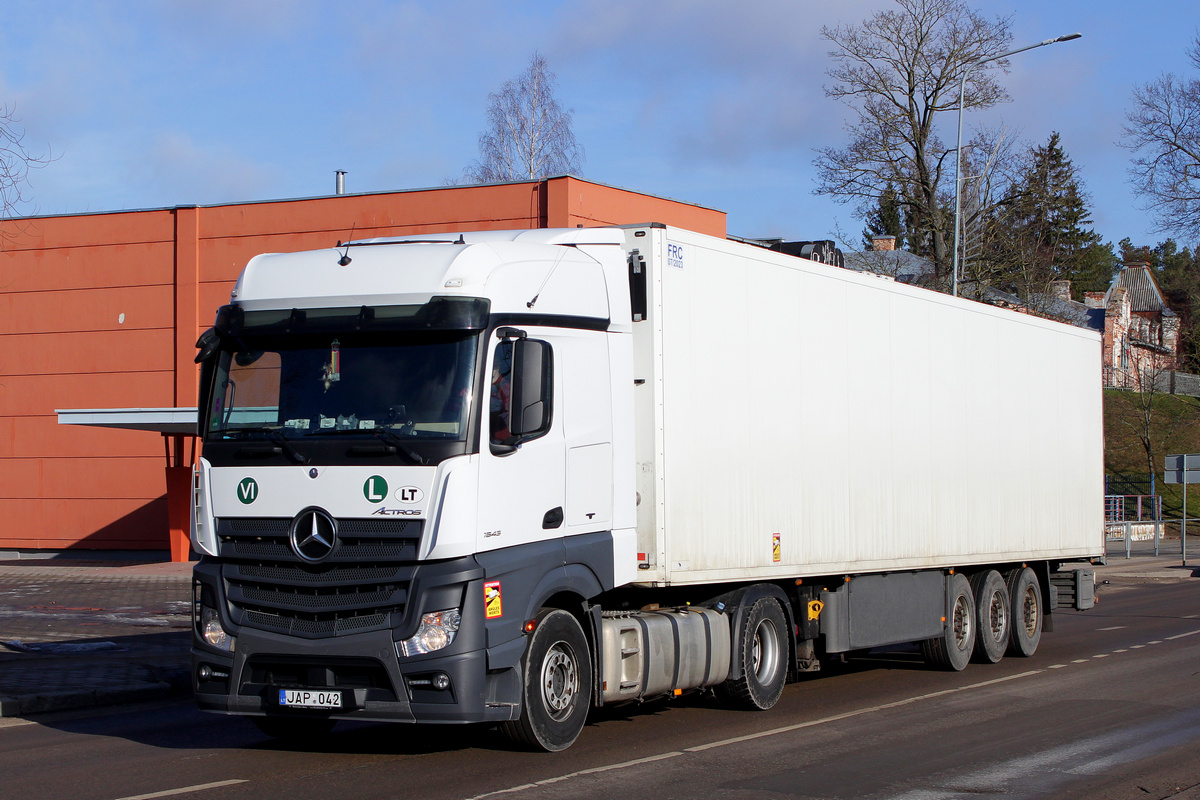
313,535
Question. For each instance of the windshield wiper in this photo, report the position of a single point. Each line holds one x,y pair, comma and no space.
282,445
391,437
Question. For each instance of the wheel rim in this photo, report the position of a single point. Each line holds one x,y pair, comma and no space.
962,623
998,616
765,653
1030,611
560,681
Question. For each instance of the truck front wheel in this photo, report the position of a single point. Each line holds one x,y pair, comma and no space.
761,652
557,684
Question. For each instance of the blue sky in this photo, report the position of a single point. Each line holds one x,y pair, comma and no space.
150,103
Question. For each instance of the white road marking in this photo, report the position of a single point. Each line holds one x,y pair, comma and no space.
1120,651
1181,635
1136,646
1059,666
1080,661
172,792
1113,628
740,739
1156,641
1100,655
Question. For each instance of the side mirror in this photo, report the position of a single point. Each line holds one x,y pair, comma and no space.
532,389
207,344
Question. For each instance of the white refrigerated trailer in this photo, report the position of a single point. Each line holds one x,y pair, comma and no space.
504,477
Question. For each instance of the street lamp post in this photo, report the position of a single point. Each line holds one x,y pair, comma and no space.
962,83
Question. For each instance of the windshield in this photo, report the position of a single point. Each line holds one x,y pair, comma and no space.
401,384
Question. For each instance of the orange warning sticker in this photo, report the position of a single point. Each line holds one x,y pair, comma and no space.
775,553
491,600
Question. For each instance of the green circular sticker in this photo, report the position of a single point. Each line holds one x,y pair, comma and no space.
375,489
247,490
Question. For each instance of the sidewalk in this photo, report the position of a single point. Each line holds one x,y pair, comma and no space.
77,634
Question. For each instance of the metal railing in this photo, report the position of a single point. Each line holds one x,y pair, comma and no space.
1131,518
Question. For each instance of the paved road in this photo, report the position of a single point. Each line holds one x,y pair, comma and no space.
1108,708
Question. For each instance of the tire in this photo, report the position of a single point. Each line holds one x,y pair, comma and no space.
556,685
952,650
762,653
993,614
1025,593
294,729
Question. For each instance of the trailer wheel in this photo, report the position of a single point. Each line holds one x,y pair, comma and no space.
761,651
952,650
1026,594
557,684
993,609
293,729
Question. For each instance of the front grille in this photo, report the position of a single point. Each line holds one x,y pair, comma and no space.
363,585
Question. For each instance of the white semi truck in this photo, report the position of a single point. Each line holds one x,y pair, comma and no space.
507,477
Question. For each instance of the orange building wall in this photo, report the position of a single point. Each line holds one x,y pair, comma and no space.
66,281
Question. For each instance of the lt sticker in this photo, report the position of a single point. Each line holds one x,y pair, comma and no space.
776,555
491,600
247,490
375,489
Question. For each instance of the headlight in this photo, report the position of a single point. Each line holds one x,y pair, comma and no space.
212,632
437,630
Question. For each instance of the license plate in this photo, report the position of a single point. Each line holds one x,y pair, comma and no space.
310,698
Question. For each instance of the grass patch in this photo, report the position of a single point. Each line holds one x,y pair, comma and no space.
1171,424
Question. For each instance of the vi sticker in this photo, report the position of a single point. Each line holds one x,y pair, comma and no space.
247,490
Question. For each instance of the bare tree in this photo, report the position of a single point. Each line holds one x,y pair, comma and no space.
1163,131
15,162
529,135
898,71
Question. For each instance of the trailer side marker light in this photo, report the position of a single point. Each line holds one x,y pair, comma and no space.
799,581
678,692
847,579
943,619
951,570
530,625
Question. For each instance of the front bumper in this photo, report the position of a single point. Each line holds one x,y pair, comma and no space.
367,672
477,684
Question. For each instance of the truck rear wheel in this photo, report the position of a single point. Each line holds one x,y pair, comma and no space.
1026,594
761,651
952,650
993,609
557,684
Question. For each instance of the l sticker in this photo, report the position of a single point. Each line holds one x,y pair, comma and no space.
375,489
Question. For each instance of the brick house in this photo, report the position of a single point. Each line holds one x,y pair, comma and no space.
1141,334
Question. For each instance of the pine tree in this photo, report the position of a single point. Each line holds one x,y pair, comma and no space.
1043,234
885,220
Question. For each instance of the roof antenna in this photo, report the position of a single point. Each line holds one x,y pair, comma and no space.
345,259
